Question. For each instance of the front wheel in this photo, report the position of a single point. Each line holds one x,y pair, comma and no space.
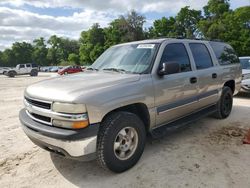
225,104
121,141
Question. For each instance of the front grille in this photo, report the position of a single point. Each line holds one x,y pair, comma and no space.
42,118
38,103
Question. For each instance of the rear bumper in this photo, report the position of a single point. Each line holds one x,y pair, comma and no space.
75,144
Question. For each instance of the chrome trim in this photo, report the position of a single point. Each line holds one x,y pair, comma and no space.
39,100
54,115
41,121
215,95
73,148
162,112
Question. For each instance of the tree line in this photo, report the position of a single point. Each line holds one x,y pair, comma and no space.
216,22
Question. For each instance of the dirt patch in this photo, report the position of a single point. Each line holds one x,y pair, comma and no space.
228,135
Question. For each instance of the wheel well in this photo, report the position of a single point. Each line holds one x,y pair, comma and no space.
231,85
139,109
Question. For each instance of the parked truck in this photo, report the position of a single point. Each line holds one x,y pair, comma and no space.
23,69
131,91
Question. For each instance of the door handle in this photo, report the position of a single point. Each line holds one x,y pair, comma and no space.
193,80
214,75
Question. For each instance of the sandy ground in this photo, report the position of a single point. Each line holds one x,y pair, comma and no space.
209,153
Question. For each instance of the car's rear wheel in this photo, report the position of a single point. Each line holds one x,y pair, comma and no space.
225,104
121,141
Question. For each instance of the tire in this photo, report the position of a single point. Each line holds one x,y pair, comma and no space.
110,132
225,104
34,72
12,74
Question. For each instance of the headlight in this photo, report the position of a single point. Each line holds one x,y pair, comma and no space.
69,108
71,124
71,111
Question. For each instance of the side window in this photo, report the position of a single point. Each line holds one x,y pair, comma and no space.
21,66
176,52
224,53
28,65
201,56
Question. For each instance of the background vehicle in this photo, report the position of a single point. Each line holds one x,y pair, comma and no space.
70,70
3,69
54,69
245,64
23,69
132,89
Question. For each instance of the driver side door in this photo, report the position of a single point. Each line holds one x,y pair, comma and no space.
175,94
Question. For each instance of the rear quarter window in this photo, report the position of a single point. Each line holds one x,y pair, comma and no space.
224,53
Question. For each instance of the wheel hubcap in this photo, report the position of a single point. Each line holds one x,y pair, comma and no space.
125,143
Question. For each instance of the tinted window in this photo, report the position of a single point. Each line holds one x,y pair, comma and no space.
224,53
21,66
201,56
28,65
176,53
245,63
34,65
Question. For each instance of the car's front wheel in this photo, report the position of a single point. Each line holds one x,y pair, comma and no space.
121,141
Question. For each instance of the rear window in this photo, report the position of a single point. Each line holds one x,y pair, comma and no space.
224,53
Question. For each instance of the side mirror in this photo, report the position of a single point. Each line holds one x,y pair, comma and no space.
169,68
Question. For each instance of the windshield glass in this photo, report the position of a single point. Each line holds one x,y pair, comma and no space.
245,63
131,58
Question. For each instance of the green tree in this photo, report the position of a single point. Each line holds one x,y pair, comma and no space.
73,59
90,42
39,54
164,27
55,52
21,53
125,29
186,22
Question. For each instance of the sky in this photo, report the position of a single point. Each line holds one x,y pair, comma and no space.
25,20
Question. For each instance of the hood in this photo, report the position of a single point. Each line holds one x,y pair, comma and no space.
68,88
245,71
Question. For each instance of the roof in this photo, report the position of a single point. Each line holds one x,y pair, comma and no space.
161,40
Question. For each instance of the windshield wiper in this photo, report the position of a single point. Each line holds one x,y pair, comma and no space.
115,70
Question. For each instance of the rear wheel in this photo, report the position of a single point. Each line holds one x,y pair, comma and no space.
34,72
12,74
121,141
225,104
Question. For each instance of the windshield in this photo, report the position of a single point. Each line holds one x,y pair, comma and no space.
245,63
131,58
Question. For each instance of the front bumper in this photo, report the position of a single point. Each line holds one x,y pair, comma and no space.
75,144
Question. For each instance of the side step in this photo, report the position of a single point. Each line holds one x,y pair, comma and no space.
183,122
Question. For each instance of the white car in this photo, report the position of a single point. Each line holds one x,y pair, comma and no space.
4,69
245,63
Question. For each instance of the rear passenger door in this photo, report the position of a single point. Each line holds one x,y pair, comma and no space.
207,74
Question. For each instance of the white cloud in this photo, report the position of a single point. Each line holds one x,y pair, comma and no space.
19,25
117,5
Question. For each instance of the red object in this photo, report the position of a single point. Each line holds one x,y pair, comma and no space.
247,138
70,70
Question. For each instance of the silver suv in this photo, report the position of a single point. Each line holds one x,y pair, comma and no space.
132,90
